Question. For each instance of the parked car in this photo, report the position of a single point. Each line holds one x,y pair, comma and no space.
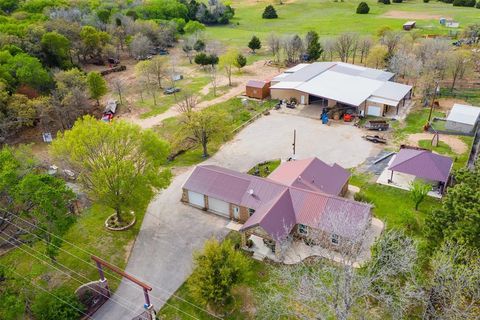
144,57
162,52
171,90
107,117
113,61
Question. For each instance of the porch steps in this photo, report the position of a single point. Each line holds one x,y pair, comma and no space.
258,256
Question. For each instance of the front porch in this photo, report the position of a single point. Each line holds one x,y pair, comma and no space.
296,250
403,181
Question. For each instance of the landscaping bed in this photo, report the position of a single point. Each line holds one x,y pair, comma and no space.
265,168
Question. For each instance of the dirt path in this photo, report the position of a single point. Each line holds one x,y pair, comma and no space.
257,70
397,14
457,145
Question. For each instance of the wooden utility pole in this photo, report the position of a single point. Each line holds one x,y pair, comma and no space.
433,103
294,141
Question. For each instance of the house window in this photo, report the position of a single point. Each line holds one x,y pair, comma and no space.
302,229
335,240
251,212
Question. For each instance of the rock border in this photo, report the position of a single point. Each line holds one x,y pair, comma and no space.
121,228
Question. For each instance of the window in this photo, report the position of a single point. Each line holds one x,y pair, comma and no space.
335,239
251,212
302,229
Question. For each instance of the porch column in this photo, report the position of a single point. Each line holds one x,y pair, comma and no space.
278,250
391,177
244,239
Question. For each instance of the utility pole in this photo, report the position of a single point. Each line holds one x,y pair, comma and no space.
294,142
436,90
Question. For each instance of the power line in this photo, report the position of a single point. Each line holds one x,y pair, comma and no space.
112,274
45,290
73,271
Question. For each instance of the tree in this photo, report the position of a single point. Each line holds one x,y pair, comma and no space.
204,59
314,48
377,56
60,304
193,26
274,45
269,13
227,62
218,268
365,43
93,42
97,86
405,63
254,44
452,291
458,64
418,192
140,46
325,290
56,48
240,61
187,47
119,164
119,86
458,219
199,45
45,200
391,40
157,67
147,79
203,126
344,45
29,71
363,8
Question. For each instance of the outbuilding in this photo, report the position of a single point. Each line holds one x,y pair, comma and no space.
463,118
258,89
409,25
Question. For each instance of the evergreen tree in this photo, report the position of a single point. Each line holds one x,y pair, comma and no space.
314,48
269,13
363,8
254,44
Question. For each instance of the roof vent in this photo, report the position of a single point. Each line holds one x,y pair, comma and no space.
299,178
250,192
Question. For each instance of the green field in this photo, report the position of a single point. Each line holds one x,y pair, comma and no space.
330,18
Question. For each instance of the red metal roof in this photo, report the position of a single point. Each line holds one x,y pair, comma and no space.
256,83
278,207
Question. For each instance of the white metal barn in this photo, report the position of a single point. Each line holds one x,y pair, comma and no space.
463,118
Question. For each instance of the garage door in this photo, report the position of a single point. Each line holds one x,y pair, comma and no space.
374,111
196,199
219,206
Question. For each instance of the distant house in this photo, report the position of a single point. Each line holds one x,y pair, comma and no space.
431,167
327,84
463,118
299,199
409,25
258,89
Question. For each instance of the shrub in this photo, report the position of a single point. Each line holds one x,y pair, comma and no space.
470,3
240,61
386,2
363,8
426,1
478,5
459,3
397,1
255,44
48,307
269,13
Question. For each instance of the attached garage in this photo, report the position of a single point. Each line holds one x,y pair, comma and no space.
196,199
219,206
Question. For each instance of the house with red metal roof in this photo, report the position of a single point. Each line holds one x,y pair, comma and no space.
300,199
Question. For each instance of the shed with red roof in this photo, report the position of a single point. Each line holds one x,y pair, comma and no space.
258,89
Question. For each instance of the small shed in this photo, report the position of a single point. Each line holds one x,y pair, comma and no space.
409,25
463,118
258,89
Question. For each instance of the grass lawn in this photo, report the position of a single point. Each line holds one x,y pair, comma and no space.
87,233
239,114
459,160
265,168
165,102
331,18
414,123
471,96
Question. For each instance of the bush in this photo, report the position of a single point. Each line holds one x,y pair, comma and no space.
459,3
363,8
426,1
386,2
47,307
478,5
470,3
269,13
240,61
255,44
397,1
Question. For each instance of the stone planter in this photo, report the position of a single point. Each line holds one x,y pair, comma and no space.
111,228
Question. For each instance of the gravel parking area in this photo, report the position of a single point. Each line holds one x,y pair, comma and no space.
271,137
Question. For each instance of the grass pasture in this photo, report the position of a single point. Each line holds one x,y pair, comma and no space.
331,18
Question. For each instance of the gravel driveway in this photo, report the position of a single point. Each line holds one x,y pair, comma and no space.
171,231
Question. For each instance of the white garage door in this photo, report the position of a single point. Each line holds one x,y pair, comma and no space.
196,199
219,206
374,111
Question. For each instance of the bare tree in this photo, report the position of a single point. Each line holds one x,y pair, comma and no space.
328,46
364,44
344,45
405,64
274,44
458,63
213,79
118,86
434,55
187,48
187,103
141,46
325,290
391,39
145,79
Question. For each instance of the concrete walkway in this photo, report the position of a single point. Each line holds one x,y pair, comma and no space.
172,231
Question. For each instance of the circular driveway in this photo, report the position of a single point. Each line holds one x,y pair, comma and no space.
271,137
